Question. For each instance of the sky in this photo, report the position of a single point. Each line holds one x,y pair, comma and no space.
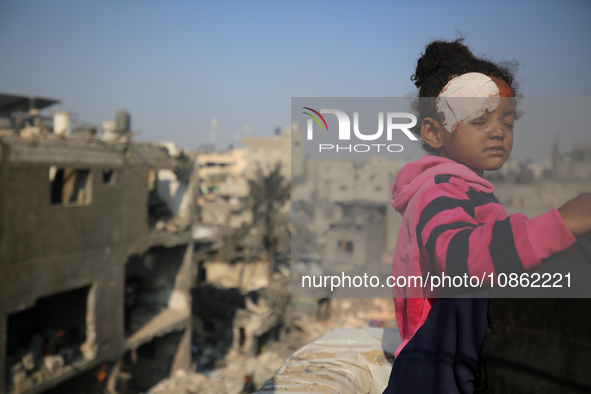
177,65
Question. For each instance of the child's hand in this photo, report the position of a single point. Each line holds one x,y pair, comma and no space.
576,214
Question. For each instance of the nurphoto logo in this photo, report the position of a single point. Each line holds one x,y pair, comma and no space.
344,131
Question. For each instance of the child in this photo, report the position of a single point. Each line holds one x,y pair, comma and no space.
453,224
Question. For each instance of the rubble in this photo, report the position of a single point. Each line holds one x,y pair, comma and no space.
243,336
183,383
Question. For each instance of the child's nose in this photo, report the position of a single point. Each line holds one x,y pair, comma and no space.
497,130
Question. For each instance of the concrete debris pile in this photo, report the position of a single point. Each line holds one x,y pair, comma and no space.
183,383
242,337
240,370
359,313
33,369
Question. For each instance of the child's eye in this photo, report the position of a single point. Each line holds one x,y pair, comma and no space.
510,125
479,122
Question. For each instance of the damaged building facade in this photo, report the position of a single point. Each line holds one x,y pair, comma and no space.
341,210
95,258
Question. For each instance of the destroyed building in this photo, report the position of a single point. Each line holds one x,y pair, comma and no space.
223,188
344,205
224,175
264,153
226,205
95,257
574,165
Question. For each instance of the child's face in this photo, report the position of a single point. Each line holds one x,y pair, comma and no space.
486,142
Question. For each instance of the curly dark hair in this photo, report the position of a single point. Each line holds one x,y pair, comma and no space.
445,60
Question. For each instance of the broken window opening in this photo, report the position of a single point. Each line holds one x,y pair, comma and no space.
242,338
70,186
201,272
46,339
149,282
108,177
215,309
268,338
144,367
169,200
344,245
349,247
158,210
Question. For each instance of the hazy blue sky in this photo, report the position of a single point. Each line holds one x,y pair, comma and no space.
176,65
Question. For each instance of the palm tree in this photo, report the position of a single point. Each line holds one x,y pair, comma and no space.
268,194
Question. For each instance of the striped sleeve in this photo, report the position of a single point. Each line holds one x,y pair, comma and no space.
463,231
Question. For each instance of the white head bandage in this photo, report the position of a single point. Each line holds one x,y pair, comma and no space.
455,110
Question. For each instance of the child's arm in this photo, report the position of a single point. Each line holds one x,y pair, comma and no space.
576,214
454,242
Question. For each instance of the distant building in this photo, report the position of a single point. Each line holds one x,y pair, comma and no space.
266,152
359,238
574,165
221,169
223,177
338,198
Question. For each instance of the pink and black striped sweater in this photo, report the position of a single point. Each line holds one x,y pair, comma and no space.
453,224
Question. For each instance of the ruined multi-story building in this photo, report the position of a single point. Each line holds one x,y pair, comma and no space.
346,204
95,260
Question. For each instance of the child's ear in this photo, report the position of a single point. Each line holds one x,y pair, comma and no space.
431,132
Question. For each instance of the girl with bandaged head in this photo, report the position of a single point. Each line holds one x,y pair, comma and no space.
452,223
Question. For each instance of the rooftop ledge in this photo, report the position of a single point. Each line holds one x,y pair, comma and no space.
345,361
